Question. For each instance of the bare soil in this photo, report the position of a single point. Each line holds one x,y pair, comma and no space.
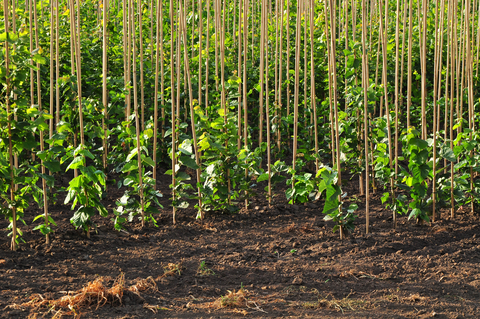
281,261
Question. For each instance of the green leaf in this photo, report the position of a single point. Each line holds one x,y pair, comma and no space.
29,143
133,152
76,163
447,153
289,193
353,207
262,177
87,153
182,176
128,180
189,162
130,167
147,160
421,144
39,59
415,213
77,182
52,166
186,147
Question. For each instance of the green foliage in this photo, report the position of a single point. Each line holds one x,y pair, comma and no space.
303,186
333,209
414,178
84,190
130,204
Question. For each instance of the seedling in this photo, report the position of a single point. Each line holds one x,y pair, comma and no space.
203,270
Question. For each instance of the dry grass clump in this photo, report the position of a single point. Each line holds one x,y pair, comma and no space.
234,299
94,294
237,299
345,304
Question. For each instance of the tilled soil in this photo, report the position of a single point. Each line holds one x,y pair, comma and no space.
285,259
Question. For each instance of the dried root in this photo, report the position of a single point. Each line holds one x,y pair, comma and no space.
94,294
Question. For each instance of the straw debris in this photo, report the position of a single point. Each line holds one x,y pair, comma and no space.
94,294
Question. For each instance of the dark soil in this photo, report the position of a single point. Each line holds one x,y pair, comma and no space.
286,257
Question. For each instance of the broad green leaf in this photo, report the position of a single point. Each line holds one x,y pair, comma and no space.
447,153
189,162
76,163
132,154
39,59
186,147
262,177
421,144
128,180
130,167
289,193
77,182
182,176
147,160
52,166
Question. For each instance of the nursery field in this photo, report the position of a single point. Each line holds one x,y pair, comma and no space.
273,158
285,257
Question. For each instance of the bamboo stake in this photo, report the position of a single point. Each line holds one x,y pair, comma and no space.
162,74
217,27
135,107
200,56
409,63
330,107
104,83
223,92
297,89
334,91
384,34
469,71
177,64
155,94
366,81
39,102
173,115
13,245
207,51
280,78
435,126
142,81
262,73
424,69
239,74
79,76
287,73
452,75
277,84
402,62
57,64
267,110
396,97
192,113
129,57
312,85
52,76
32,80
244,90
